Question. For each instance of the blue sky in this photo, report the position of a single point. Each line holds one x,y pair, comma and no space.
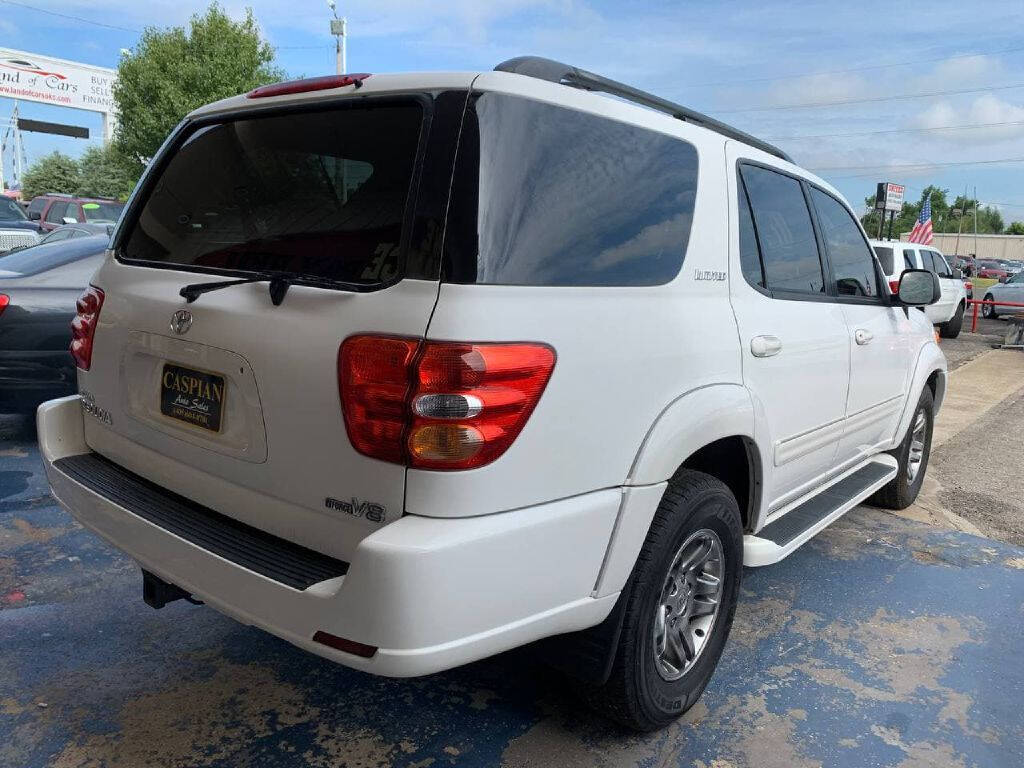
729,59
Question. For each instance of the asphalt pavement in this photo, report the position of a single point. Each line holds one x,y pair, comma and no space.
883,642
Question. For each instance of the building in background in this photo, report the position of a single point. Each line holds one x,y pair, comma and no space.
982,246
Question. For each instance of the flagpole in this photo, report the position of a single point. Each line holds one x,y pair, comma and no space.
975,222
960,225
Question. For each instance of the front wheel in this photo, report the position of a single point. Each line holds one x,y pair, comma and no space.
951,328
912,455
680,601
987,310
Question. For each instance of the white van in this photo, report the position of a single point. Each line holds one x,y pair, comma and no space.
410,370
948,312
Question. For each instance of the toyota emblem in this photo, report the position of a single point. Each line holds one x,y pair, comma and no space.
181,321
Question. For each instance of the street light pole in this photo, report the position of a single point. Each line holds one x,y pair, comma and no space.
338,28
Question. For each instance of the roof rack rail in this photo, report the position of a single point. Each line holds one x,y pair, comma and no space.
565,74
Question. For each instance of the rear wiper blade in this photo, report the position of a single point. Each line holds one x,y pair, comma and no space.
280,282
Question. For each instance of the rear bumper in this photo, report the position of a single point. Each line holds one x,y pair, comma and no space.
428,593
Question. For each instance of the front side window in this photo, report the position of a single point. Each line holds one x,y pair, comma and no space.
56,213
789,251
886,259
853,265
941,268
545,195
319,193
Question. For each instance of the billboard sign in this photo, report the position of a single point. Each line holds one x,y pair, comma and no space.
889,197
31,77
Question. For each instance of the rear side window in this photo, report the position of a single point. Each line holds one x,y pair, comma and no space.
886,259
57,213
908,258
321,193
789,251
544,195
941,267
853,264
37,205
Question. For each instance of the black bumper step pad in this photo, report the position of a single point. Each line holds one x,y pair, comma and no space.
283,561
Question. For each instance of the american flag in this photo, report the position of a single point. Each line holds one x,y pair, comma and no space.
922,231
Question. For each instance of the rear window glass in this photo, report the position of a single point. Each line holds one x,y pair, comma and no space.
102,213
319,193
545,195
39,258
885,258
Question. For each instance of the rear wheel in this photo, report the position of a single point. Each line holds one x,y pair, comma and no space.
680,602
912,455
987,310
951,328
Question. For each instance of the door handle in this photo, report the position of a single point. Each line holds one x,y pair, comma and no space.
765,346
863,337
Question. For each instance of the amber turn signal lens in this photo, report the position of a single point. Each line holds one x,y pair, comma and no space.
444,443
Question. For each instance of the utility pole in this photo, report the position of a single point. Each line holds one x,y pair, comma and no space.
960,225
975,222
339,28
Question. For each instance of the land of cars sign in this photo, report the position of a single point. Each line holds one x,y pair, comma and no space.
32,77
889,197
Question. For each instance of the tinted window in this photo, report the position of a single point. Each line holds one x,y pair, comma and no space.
549,196
102,212
56,213
39,258
853,264
908,258
784,232
10,210
941,267
321,193
885,258
58,234
37,205
750,256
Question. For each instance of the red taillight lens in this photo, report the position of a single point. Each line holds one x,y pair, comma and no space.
307,84
894,286
438,405
4,301
83,327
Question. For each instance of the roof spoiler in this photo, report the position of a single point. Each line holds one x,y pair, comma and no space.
566,74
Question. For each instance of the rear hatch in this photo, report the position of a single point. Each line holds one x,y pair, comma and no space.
333,209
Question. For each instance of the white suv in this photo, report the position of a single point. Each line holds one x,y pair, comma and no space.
948,312
413,369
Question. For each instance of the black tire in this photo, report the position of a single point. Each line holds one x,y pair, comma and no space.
636,694
987,310
951,328
902,490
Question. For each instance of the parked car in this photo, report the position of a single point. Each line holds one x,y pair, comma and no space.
73,231
16,231
992,269
38,290
1010,291
574,415
53,209
948,312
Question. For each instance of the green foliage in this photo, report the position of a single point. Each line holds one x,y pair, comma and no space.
104,172
1016,228
55,172
945,215
173,71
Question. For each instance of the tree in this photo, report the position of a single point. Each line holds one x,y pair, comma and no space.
55,172
105,172
945,215
173,71
1016,228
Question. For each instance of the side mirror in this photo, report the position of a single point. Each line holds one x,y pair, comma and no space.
33,216
918,287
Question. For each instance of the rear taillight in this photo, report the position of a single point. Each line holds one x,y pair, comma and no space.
894,286
4,301
438,405
83,327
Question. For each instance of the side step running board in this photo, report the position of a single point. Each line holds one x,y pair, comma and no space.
785,533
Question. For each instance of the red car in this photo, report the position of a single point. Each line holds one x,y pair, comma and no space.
53,210
992,269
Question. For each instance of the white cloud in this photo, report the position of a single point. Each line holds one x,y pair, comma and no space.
984,110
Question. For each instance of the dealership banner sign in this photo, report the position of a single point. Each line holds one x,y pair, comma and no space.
32,77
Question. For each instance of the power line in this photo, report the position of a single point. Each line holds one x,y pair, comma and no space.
909,167
851,69
898,97
967,126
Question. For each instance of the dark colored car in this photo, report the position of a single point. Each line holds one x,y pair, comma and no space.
73,231
38,290
16,231
51,211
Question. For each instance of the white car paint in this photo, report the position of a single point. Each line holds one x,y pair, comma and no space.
917,256
1011,291
541,541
